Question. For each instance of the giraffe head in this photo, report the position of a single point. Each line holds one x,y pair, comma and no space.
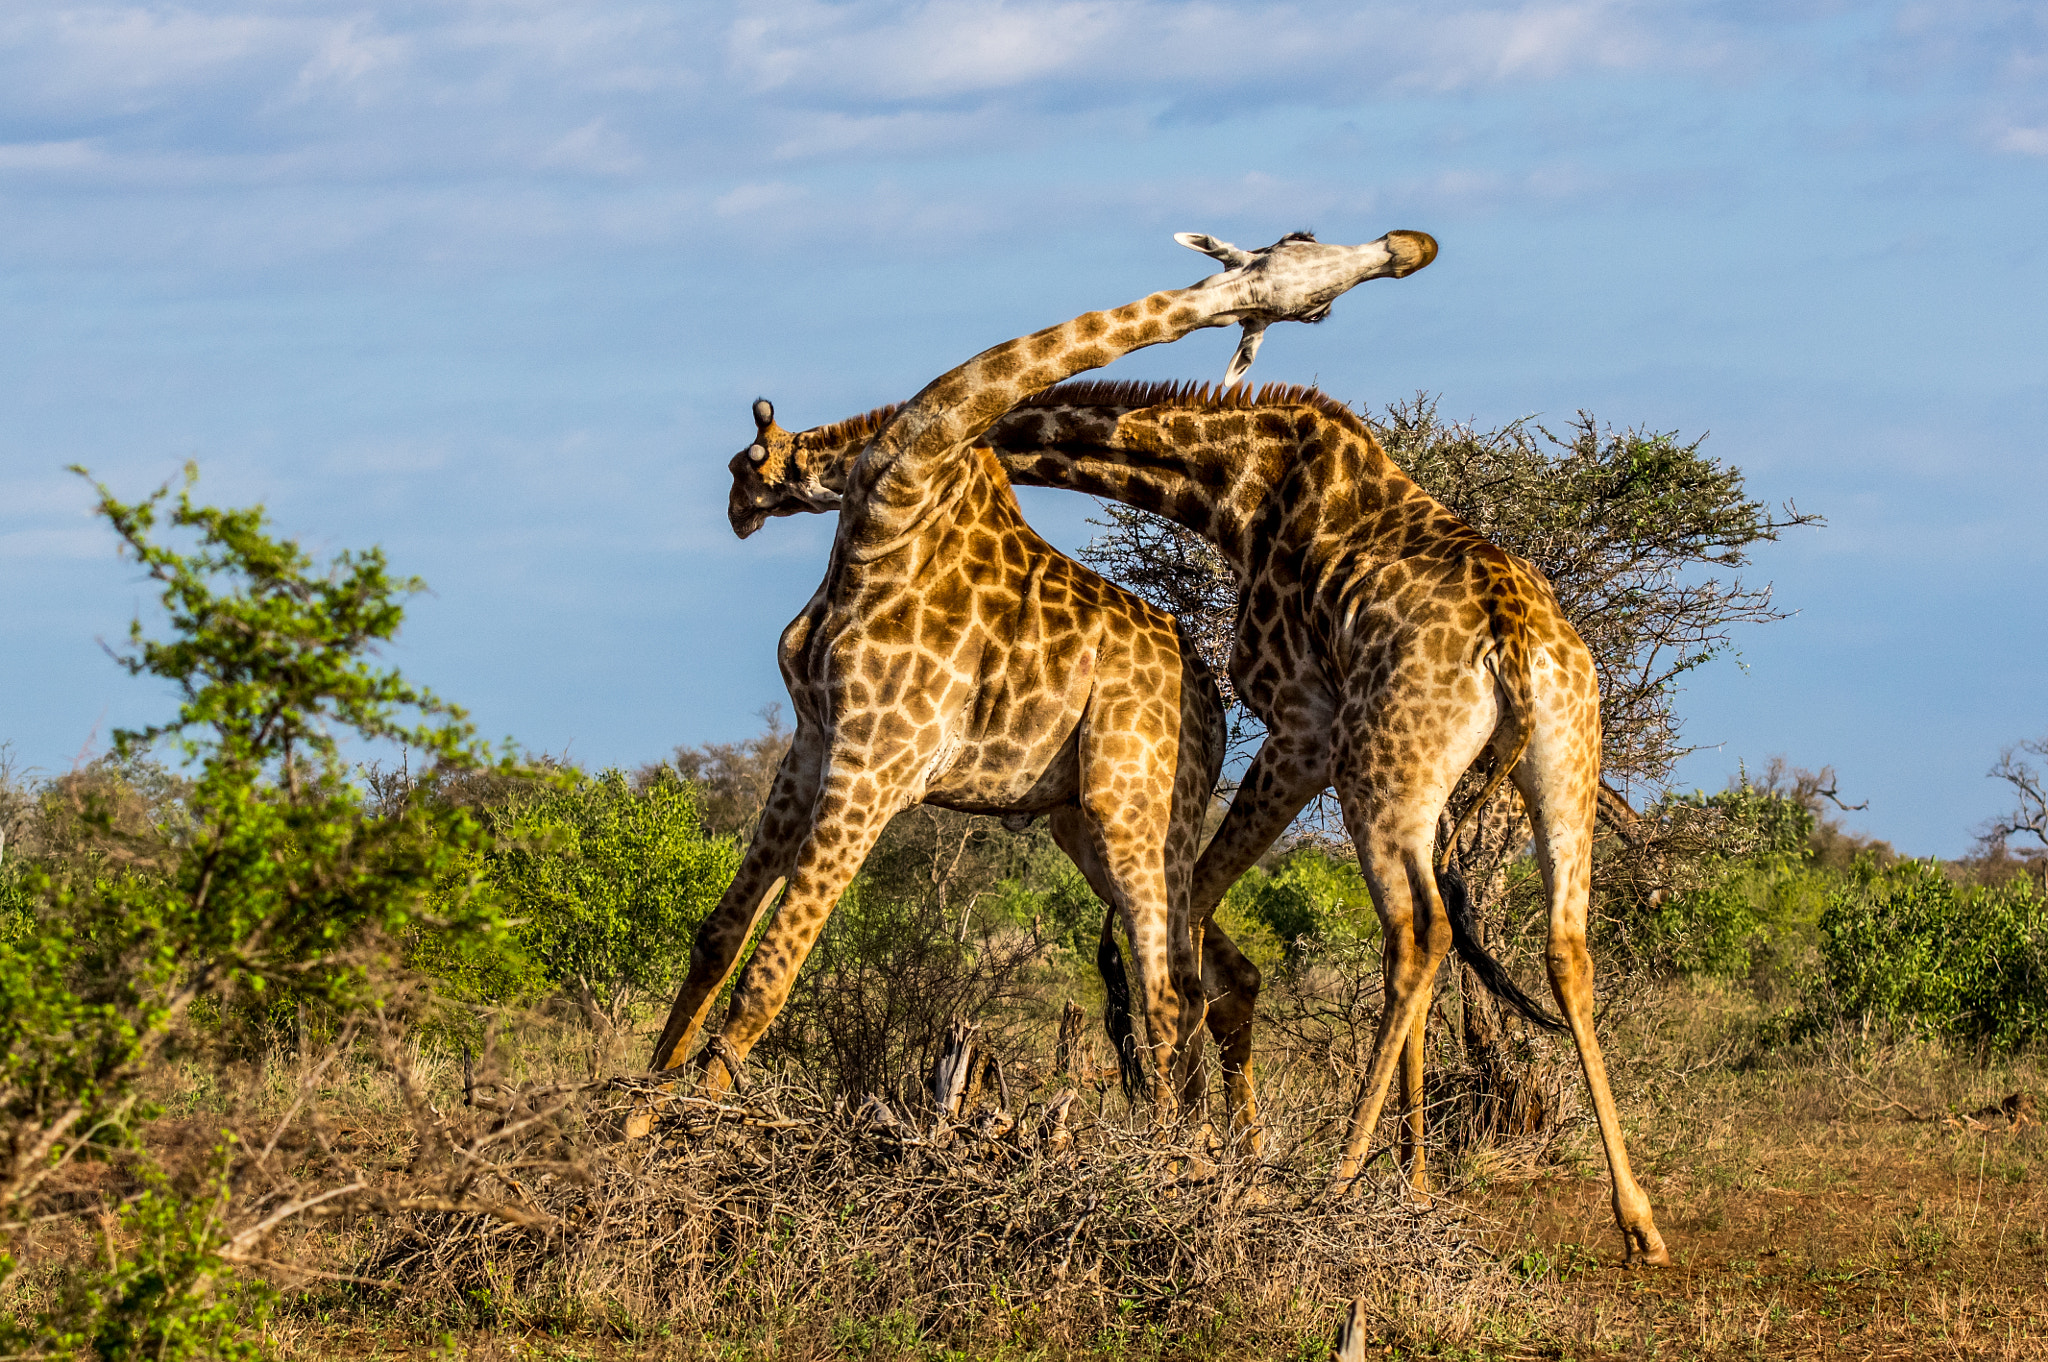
765,478
1297,278
789,474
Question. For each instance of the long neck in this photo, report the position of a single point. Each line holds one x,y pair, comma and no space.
916,463
1220,489
1220,465
1254,475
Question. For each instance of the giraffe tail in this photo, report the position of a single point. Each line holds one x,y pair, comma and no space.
1116,1011
1511,673
1450,887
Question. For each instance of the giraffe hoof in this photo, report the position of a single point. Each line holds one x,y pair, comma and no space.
1647,1250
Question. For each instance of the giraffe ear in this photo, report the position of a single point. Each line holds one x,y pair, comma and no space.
1247,348
1209,245
764,413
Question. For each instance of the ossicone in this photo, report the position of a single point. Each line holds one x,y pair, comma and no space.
764,413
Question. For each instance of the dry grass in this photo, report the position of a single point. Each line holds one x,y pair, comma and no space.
1835,1201
1844,1200
783,1225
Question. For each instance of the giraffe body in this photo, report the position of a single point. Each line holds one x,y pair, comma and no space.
808,472
951,656
1387,647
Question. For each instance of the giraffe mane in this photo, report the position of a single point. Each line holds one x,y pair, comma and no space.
1194,394
854,430
1135,393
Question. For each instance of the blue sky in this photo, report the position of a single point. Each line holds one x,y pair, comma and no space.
491,285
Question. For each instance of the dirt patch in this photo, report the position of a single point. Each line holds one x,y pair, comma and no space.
1880,1236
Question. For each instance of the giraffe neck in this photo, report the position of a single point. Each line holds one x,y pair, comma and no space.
1249,472
1214,463
915,466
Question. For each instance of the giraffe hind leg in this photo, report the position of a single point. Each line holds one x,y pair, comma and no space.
1561,810
1071,834
1232,985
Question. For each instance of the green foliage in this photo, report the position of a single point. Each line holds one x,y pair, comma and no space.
606,885
1757,900
281,867
267,876
1310,899
159,1293
1906,945
1050,895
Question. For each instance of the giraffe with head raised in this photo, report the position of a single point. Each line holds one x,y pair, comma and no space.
951,656
1387,647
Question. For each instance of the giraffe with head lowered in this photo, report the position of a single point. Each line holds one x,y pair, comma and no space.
1387,647
951,656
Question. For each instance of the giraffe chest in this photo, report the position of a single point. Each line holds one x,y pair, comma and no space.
979,694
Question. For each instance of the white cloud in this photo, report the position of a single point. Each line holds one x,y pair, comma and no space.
758,200
1114,50
79,154
2025,141
594,148
451,129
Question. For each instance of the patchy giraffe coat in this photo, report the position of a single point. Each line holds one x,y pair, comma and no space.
1386,646
949,655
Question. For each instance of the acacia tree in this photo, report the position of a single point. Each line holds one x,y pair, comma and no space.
2027,820
267,876
1640,534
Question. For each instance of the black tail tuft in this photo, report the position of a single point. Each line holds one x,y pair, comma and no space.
1116,1011
1450,887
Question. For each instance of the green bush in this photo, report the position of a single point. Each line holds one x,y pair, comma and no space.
1908,946
1754,908
605,884
1310,899
266,876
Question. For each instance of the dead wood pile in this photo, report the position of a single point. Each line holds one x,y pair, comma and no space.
776,1207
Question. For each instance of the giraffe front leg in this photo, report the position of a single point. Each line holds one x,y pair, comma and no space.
831,854
1291,768
724,934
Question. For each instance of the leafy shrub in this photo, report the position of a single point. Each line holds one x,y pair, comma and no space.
272,880
1753,905
1310,899
1907,945
606,885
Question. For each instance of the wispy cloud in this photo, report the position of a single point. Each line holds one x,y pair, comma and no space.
2025,141
328,126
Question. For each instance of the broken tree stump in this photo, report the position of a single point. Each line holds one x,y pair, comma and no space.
955,1067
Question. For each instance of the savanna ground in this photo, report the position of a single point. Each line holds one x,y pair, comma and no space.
1844,1197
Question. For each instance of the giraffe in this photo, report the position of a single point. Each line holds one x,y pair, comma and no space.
931,666
807,472
1387,647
